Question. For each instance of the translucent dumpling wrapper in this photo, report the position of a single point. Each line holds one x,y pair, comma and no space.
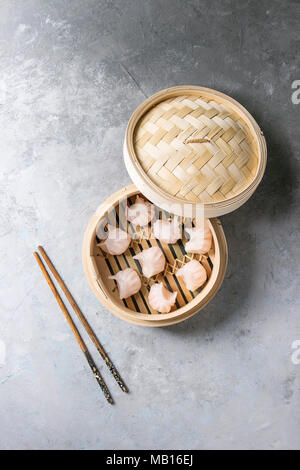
200,239
160,298
152,261
167,231
140,213
117,241
128,281
193,274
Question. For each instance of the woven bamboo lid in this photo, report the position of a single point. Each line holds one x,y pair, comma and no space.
190,148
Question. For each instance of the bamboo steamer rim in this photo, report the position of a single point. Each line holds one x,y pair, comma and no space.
165,200
176,316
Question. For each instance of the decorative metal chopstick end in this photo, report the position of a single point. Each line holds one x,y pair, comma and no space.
102,385
116,375
99,378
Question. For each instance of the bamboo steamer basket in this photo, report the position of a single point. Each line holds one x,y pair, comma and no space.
190,148
136,309
191,151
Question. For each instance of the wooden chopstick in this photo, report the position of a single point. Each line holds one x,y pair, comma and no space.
81,343
83,320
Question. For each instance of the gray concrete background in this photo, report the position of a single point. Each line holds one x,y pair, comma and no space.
71,73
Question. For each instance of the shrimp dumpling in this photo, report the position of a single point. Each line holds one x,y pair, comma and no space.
200,239
167,231
128,281
160,298
152,261
140,213
193,274
117,241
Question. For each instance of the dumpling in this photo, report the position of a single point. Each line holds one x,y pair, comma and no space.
117,241
128,281
160,298
152,261
140,213
167,231
193,274
200,239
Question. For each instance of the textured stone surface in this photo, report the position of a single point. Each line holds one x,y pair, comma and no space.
71,73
